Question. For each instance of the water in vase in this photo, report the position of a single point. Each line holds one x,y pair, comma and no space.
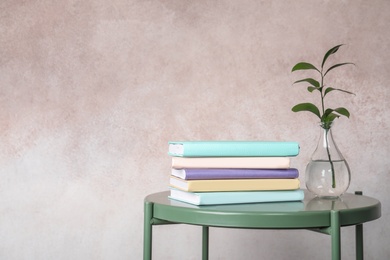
319,178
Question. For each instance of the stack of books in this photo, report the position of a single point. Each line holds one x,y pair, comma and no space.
232,172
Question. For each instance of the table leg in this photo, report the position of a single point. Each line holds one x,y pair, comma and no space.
359,237
335,234
359,242
205,243
148,215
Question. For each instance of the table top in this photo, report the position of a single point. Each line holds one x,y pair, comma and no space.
312,212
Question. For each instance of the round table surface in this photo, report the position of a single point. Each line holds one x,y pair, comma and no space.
312,212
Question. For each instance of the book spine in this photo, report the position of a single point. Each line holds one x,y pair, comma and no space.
232,162
228,173
233,149
214,198
234,184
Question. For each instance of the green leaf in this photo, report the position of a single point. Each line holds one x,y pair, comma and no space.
332,89
330,52
307,107
328,117
330,114
331,117
311,89
312,82
338,65
304,66
327,112
342,111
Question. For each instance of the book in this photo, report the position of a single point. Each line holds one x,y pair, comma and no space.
233,148
236,197
229,173
234,184
274,207
231,162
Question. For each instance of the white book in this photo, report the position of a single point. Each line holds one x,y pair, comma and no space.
231,162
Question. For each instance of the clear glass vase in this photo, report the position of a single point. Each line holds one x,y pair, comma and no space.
327,174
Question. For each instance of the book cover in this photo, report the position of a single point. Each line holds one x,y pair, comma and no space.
229,173
233,148
234,184
275,207
231,162
236,197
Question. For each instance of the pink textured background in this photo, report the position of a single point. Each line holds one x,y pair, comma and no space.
92,91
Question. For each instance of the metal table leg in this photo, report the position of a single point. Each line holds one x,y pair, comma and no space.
148,215
359,237
335,234
205,243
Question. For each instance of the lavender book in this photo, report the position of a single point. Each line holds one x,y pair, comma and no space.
229,173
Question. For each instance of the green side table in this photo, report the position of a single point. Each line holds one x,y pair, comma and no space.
321,215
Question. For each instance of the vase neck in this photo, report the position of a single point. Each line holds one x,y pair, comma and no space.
326,146
326,138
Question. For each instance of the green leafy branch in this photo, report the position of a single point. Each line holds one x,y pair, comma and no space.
327,115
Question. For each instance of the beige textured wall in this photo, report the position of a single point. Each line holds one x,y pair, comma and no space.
91,92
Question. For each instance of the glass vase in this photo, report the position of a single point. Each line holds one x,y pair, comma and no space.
327,174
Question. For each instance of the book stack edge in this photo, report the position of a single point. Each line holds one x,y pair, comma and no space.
233,172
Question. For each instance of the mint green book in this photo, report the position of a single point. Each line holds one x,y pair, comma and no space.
233,149
236,197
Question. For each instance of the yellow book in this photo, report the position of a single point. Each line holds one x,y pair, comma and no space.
234,184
